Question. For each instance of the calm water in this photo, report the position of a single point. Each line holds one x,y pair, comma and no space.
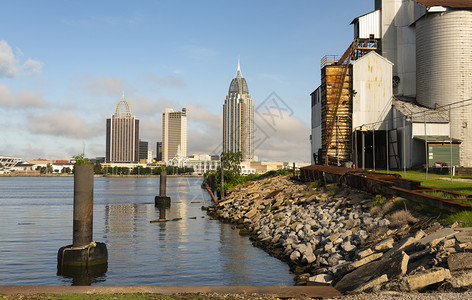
36,220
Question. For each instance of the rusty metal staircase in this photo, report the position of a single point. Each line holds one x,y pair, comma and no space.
336,130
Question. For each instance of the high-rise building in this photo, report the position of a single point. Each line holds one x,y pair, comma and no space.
159,151
174,134
122,144
238,119
143,150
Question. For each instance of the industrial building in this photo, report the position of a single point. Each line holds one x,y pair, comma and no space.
401,94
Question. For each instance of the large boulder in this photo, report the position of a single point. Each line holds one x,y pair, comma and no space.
392,267
421,280
460,261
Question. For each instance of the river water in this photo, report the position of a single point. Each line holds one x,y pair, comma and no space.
36,220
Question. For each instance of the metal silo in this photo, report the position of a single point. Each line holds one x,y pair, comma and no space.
444,69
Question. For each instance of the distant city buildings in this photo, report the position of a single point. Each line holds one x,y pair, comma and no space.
174,134
159,151
143,150
238,118
122,135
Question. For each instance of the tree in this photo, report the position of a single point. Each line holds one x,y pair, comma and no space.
97,168
232,170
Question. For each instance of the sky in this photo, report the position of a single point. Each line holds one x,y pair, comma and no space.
65,64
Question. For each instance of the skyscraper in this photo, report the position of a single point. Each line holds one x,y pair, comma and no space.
143,150
122,144
238,119
174,134
159,151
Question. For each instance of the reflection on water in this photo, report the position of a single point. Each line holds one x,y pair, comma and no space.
188,249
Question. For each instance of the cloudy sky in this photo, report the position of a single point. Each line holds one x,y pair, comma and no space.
65,64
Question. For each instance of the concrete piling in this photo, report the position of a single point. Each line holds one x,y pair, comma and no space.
84,256
162,199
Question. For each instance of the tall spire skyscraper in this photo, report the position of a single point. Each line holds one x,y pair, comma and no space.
238,118
122,144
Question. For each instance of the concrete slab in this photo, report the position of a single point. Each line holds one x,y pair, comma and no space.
437,236
278,291
464,235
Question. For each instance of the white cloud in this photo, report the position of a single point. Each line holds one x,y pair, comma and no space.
10,64
62,123
284,138
100,86
144,106
22,99
33,66
8,61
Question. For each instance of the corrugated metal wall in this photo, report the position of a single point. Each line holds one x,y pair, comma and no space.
372,82
367,25
442,153
444,69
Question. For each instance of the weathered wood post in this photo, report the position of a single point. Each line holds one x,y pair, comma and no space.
162,199
84,254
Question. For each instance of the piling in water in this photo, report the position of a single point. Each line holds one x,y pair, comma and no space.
83,206
84,256
162,199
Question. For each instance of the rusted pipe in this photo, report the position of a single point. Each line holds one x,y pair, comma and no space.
211,193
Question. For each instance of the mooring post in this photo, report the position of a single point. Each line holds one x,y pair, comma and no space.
83,206
84,255
163,183
162,199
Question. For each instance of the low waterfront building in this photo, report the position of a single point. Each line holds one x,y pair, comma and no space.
200,163
261,167
7,163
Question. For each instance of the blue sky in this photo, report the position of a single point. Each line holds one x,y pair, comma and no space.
64,65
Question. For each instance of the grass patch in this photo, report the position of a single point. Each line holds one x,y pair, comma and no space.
378,200
313,185
442,195
463,217
434,181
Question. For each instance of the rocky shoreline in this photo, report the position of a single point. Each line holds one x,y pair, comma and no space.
354,241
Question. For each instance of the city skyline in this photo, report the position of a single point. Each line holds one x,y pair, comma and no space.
61,69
